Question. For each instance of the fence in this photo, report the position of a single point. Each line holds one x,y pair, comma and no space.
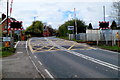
99,35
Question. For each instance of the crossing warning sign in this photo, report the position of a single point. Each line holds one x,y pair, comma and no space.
7,44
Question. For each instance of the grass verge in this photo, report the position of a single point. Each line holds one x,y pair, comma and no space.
7,52
112,48
67,38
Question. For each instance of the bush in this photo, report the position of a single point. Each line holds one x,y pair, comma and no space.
7,51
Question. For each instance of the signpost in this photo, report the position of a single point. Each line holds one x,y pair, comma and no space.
70,27
6,41
6,38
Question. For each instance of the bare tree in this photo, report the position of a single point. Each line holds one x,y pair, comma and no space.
116,12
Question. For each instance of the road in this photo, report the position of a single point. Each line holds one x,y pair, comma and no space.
58,58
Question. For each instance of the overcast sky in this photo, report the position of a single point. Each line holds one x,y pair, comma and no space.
56,12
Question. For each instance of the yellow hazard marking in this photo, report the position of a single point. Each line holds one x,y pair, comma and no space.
71,46
51,48
41,47
91,48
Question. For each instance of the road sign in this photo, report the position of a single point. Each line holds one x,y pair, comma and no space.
70,27
6,39
117,35
7,44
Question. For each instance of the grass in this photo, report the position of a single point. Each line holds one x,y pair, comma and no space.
6,52
67,38
113,48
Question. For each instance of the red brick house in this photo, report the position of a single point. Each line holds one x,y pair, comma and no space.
46,32
3,25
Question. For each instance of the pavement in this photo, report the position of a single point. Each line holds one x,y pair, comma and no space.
58,58
19,65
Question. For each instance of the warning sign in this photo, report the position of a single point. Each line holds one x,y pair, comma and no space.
7,44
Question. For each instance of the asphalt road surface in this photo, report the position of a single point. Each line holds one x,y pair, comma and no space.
58,58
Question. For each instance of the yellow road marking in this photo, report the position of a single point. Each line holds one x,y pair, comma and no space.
71,47
47,50
92,48
51,48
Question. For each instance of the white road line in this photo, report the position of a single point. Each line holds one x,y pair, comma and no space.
19,52
35,66
30,58
96,60
109,51
16,44
43,76
87,57
35,57
39,62
49,73
26,44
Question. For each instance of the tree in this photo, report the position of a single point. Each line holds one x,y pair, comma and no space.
116,12
36,29
114,25
90,26
51,30
63,29
0,19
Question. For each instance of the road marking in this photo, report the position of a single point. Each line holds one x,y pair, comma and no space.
43,76
49,73
36,67
87,57
50,48
16,44
19,52
30,58
96,60
39,62
109,51
35,57
26,44
71,47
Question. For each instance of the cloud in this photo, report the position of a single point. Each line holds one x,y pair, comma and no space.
57,12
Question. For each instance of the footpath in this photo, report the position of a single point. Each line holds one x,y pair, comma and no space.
19,65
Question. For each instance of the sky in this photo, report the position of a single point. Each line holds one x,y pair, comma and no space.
56,12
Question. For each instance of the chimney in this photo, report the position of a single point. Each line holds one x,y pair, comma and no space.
3,16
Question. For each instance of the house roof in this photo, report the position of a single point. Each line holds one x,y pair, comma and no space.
12,19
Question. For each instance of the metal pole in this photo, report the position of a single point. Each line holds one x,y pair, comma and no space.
75,23
7,15
104,12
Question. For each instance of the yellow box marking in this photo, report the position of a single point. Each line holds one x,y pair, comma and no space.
51,48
